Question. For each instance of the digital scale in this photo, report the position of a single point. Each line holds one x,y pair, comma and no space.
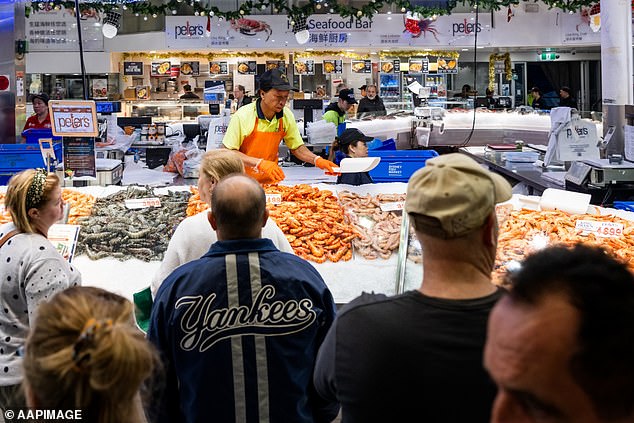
603,179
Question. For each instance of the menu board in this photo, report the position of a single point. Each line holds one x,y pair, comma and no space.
190,68
333,66
79,156
419,66
99,88
305,67
447,65
218,68
142,92
161,69
397,65
133,68
276,64
362,66
387,66
247,68
73,118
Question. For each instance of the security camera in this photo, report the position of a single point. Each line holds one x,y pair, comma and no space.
573,52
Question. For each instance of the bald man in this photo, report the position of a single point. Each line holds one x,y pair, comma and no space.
239,329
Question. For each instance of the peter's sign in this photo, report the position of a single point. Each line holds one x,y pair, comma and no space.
73,118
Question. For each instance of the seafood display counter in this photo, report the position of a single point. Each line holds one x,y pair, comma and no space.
356,237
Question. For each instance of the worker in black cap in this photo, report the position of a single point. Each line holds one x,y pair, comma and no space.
352,143
336,111
256,129
41,118
363,90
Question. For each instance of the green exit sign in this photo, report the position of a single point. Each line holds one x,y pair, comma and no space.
548,56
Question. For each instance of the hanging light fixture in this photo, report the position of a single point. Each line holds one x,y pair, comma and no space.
111,24
300,29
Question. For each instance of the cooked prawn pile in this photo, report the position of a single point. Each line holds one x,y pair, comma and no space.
526,230
80,205
195,205
313,222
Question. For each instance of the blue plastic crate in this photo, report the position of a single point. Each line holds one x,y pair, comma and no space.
398,165
17,157
33,135
624,205
389,144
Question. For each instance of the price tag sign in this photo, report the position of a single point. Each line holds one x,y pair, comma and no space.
142,203
600,229
273,198
394,206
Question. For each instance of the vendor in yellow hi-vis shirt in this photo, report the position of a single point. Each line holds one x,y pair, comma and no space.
256,129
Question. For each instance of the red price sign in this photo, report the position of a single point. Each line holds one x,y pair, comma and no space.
600,229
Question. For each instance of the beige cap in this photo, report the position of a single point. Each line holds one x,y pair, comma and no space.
453,195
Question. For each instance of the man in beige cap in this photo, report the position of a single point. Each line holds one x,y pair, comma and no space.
420,353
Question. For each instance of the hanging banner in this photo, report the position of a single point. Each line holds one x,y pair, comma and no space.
247,67
276,64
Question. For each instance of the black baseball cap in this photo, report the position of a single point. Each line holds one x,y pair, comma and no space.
42,96
351,135
363,87
348,95
273,78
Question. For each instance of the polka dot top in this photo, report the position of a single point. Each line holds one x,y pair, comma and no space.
31,271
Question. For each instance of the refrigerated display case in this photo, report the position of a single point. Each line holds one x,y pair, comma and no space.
389,87
437,84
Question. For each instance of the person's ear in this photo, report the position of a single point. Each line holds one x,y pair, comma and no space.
212,220
33,213
265,217
29,396
490,233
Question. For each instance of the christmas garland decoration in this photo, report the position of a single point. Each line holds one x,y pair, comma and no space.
147,8
507,67
209,57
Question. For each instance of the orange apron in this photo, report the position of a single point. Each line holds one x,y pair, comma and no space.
262,145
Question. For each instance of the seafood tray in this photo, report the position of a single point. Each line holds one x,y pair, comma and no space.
112,230
313,222
379,231
524,231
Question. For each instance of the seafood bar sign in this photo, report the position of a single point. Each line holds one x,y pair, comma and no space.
190,32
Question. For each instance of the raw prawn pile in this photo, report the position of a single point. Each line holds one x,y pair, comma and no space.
525,230
112,230
313,222
379,231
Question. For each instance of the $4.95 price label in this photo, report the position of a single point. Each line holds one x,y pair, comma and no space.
600,229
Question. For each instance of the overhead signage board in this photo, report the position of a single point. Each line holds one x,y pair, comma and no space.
50,29
261,31
73,118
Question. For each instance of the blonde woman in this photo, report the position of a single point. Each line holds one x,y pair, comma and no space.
84,353
194,235
31,269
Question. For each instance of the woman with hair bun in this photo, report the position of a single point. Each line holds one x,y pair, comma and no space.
31,269
85,353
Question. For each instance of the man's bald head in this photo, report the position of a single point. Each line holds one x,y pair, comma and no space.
238,207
